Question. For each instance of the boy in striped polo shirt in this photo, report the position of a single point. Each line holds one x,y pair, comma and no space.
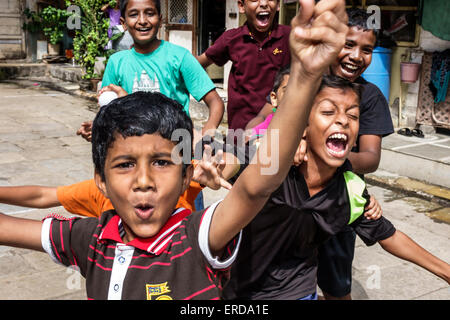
144,249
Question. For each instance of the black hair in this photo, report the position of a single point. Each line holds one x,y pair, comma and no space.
286,70
124,3
358,18
135,115
332,81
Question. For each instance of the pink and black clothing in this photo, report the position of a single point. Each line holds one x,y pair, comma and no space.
253,71
174,264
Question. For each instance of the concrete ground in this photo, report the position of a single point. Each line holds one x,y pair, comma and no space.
426,159
38,146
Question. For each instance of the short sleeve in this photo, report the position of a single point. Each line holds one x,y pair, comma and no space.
187,199
230,251
372,231
109,76
375,118
197,81
218,52
67,241
83,198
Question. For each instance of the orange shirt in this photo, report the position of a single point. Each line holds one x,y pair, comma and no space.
84,198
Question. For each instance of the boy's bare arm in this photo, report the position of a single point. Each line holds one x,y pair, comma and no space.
22,233
260,117
317,36
216,110
30,196
204,60
400,245
368,157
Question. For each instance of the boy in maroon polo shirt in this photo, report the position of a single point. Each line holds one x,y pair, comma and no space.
145,249
257,50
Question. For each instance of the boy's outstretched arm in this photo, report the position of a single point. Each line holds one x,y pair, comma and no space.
401,246
30,196
22,233
317,36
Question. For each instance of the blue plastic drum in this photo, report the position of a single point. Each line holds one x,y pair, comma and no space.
379,71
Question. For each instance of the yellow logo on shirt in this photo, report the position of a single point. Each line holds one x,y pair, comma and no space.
159,290
277,51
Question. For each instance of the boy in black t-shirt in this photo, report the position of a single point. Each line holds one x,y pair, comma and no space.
318,199
336,255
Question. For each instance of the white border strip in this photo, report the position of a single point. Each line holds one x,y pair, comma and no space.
45,240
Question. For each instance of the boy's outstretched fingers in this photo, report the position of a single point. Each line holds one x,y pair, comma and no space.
220,166
208,171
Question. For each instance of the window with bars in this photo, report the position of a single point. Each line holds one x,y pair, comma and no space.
177,11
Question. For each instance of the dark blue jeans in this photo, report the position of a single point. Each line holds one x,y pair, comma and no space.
198,202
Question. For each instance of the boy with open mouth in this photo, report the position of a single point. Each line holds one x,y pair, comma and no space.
258,49
335,256
317,200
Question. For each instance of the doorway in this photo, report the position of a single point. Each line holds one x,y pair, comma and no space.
211,15
211,22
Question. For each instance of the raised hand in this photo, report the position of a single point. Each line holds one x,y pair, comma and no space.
318,34
208,171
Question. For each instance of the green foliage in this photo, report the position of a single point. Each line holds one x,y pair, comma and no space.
53,23
91,39
34,21
112,3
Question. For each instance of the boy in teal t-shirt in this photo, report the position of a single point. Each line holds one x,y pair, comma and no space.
170,69
157,65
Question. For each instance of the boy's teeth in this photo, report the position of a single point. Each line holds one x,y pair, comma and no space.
339,136
350,66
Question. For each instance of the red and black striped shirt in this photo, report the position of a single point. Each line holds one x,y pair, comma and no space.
174,264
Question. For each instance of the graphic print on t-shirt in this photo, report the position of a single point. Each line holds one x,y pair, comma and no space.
145,83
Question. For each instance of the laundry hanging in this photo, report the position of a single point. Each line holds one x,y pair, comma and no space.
440,75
